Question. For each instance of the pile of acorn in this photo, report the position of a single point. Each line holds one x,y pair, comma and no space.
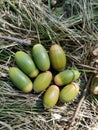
38,68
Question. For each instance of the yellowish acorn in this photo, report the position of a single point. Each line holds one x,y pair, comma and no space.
57,57
69,92
42,81
51,96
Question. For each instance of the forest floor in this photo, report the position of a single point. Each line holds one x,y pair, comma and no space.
73,24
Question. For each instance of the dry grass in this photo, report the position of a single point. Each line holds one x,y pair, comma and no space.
76,30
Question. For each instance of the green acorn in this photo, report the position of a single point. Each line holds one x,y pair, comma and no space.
26,64
42,81
41,57
57,57
20,80
51,96
94,85
69,92
66,77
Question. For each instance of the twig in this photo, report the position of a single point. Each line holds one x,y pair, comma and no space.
87,66
13,39
6,125
79,104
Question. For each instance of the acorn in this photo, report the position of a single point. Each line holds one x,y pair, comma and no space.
69,92
41,57
94,85
66,77
57,57
42,81
20,80
51,96
26,64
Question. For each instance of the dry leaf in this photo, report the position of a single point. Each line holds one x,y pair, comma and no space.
95,52
96,60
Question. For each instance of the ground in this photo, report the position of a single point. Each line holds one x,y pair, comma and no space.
72,24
